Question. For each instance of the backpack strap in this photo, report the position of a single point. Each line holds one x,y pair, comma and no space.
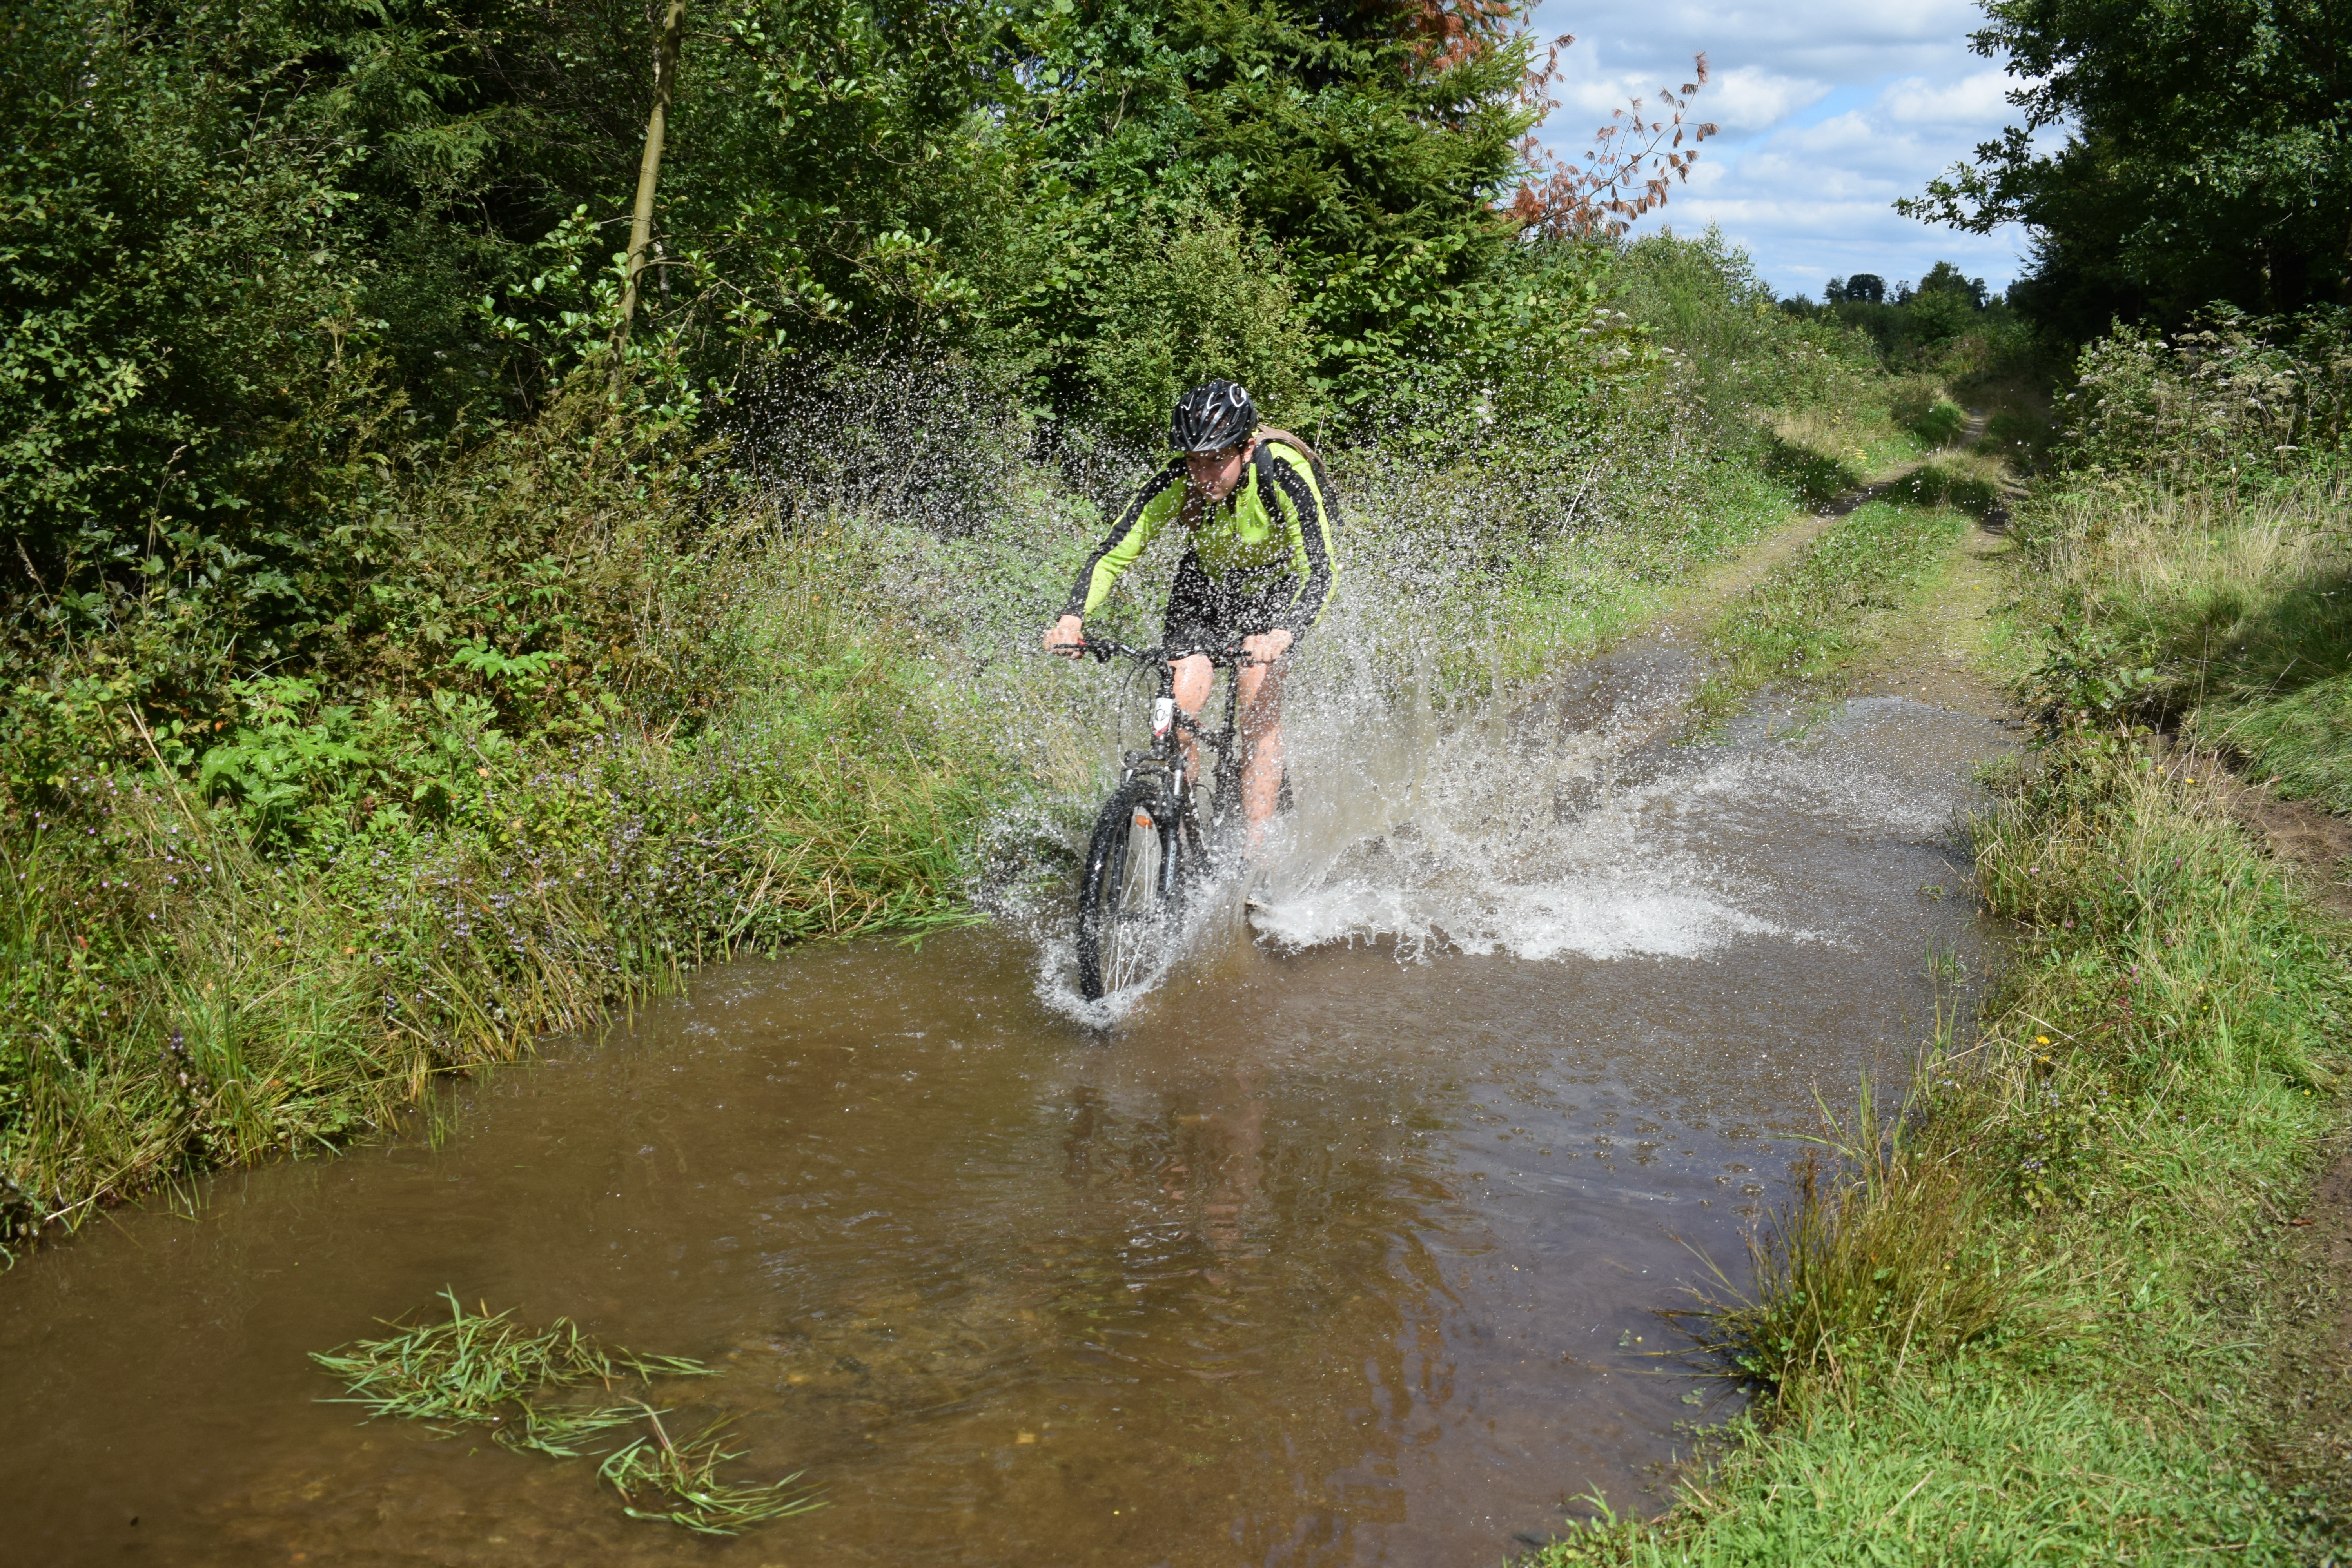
1298,444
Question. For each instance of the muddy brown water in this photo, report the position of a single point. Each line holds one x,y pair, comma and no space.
1343,1248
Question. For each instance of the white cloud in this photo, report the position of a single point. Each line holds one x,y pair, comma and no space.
1829,110
1746,99
1973,101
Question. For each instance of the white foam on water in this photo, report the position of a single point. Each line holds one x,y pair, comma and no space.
1206,922
1588,918
1483,839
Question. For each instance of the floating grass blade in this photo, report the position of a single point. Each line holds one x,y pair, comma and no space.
657,1470
556,1431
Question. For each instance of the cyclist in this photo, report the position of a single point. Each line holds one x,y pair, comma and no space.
1256,568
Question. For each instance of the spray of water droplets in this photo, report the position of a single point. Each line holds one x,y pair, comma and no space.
1439,806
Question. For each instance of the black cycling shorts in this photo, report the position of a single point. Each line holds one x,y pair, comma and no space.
1202,612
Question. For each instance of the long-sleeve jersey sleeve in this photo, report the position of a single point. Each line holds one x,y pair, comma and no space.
1154,503
1300,500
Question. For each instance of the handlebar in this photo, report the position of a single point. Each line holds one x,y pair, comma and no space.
1233,656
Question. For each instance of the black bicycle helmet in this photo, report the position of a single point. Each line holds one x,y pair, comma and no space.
1211,417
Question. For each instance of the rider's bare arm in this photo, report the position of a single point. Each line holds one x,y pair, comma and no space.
1064,636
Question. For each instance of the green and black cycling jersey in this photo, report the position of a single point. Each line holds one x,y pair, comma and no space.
1271,535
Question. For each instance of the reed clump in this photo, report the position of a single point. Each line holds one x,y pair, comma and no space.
481,1368
677,1481
1879,1258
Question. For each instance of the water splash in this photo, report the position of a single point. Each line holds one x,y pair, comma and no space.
1438,811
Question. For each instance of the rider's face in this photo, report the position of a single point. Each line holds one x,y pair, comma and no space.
1214,474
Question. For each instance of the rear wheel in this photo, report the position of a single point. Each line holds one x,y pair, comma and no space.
1131,894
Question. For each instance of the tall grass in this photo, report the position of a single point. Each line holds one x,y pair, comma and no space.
1879,1254
183,991
2228,609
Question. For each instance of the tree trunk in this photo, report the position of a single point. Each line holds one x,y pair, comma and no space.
641,224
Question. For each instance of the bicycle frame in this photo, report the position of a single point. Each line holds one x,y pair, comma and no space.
1171,727
1148,847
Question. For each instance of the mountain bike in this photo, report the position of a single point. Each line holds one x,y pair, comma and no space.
1150,845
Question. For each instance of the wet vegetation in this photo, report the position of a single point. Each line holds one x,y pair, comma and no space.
481,1370
662,1478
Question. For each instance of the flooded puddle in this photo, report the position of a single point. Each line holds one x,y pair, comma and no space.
1342,1248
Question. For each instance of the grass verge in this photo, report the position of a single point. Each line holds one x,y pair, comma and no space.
2225,609
186,985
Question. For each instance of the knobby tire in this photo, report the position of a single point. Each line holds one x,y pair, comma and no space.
1131,896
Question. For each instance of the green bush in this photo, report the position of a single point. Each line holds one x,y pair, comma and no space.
2232,395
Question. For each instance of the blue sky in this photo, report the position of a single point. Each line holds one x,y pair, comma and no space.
1829,109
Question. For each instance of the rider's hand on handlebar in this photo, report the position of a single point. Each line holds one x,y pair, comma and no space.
1267,646
1067,636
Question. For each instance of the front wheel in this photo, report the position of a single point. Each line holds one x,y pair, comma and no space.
1131,896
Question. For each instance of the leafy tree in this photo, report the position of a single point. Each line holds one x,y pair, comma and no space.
190,296
244,251
1944,277
2207,156
1368,141
1198,299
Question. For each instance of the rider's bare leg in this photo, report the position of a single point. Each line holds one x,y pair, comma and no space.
1193,676
1260,723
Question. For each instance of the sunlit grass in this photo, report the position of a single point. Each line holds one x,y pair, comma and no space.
1807,621
2237,603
